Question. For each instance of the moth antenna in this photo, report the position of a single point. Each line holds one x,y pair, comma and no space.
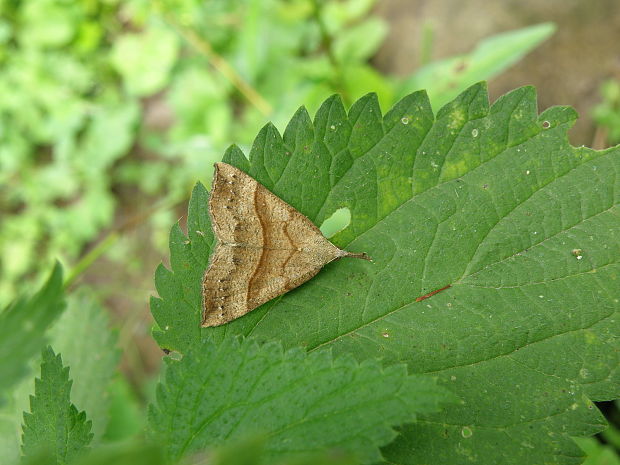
362,255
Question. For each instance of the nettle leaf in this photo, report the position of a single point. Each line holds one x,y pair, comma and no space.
54,426
491,201
83,336
226,392
22,328
251,451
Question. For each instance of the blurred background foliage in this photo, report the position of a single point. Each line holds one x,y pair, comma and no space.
111,110
105,101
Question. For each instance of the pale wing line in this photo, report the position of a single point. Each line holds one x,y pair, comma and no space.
327,196
389,313
262,255
354,162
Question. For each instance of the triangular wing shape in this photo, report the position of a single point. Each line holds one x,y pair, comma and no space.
265,247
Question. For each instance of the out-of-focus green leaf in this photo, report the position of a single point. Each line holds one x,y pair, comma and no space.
359,43
127,417
47,23
251,451
336,15
199,100
98,149
444,80
54,426
22,328
363,79
145,59
597,453
72,77
612,434
83,337
12,415
607,113
83,334
132,453
127,453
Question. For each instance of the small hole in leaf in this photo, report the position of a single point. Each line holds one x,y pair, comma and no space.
546,125
338,221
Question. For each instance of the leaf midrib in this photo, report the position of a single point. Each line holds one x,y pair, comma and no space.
458,282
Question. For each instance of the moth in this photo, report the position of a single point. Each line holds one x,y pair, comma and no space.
265,247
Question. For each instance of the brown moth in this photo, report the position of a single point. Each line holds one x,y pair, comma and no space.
264,247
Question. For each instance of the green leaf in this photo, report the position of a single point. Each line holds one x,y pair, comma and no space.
54,426
597,453
98,150
22,328
445,79
82,335
492,201
607,113
145,60
337,15
123,453
251,451
12,415
359,43
46,23
127,417
303,403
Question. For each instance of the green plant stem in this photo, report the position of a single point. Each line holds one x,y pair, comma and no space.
110,239
87,260
221,65
426,43
328,45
